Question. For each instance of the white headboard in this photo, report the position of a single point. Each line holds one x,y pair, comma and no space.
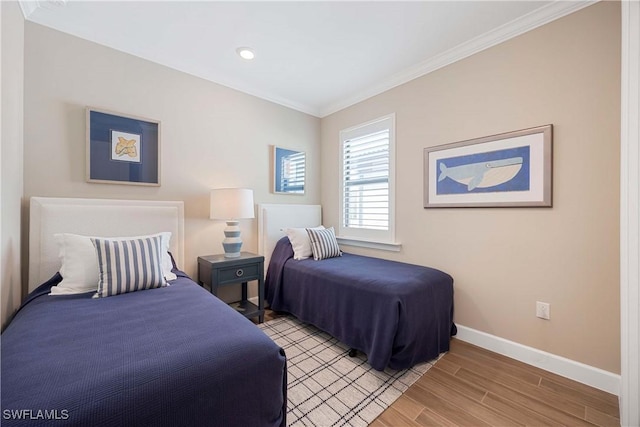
96,217
273,218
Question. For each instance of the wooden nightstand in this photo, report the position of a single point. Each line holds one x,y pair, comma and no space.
216,270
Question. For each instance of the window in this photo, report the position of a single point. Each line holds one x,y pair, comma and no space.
367,180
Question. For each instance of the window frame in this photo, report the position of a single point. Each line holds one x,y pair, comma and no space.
380,239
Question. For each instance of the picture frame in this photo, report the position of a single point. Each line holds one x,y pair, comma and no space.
122,149
512,169
289,171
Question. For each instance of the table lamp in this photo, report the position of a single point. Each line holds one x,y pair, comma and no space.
230,205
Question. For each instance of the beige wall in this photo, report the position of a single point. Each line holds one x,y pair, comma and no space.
212,136
11,156
504,260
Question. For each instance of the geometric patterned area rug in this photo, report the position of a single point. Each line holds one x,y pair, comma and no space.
326,387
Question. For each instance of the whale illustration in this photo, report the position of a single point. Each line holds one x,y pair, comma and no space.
483,174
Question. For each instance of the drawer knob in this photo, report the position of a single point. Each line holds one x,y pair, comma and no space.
239,272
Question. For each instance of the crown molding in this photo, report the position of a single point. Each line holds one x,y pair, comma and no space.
28,7
301,107
537,18
247,90
532,20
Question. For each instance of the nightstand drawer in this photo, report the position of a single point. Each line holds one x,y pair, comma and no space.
215,271
234,274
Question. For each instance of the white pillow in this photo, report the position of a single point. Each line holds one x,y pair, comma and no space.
79,270
300,241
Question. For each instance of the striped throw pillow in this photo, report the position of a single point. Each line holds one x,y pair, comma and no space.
129,265
323,243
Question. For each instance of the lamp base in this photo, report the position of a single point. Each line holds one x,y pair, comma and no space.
232,241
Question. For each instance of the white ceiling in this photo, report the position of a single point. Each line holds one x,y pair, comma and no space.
314,56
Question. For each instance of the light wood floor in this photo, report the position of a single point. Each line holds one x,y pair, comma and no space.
471,386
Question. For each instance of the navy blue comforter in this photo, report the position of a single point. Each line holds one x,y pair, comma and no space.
398,314
174,356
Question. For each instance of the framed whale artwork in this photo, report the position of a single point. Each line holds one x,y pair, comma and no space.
511,169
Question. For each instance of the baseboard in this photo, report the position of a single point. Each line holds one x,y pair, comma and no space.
568,368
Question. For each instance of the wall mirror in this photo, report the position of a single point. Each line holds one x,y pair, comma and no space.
288,171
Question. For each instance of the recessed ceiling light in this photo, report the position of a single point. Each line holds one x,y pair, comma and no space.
245,53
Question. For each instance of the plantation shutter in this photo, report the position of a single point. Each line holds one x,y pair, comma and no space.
366,165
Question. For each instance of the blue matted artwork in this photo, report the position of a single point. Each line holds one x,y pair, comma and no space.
512,169
490,172
122,150
288,171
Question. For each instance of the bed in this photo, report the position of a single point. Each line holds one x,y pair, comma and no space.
171,355
398,314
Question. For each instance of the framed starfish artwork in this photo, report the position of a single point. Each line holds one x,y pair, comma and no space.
511,169
122,149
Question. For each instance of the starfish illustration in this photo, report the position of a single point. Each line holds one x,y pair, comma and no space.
126,146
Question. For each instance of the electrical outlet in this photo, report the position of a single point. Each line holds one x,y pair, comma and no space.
543,310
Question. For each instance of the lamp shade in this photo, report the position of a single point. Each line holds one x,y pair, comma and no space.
231,203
